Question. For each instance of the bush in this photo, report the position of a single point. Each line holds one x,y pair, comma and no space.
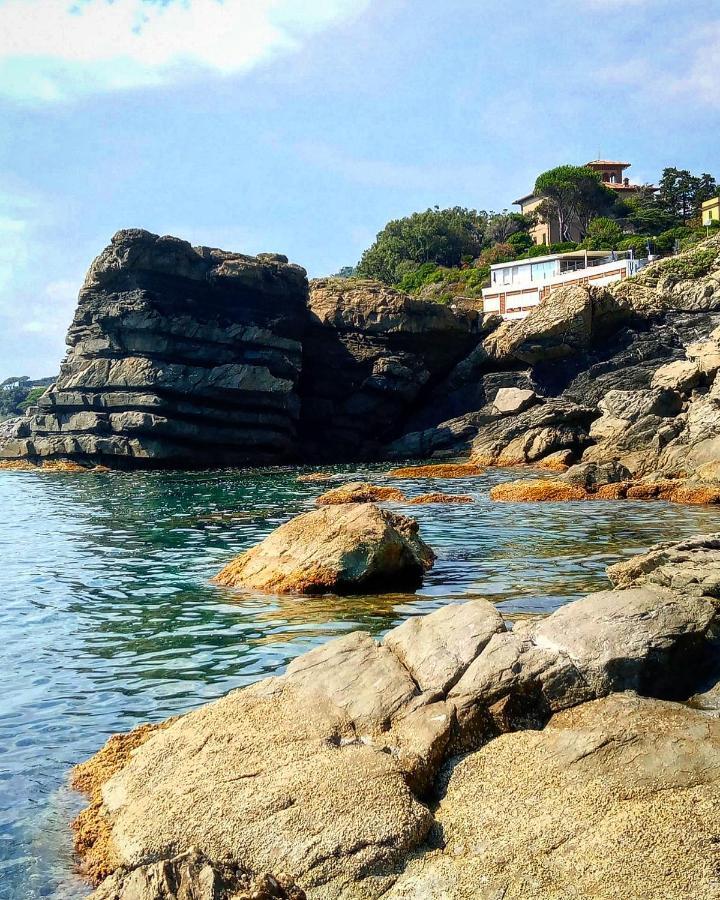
603,233
520,241
637,243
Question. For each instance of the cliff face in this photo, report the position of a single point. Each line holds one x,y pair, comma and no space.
370,354
177,356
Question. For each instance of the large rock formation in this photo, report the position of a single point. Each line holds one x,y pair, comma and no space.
325,771
641,358
177,356
371,354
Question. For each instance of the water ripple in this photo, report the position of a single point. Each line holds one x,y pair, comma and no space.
108,618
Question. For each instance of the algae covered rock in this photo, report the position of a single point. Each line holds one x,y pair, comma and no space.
339,548
359,492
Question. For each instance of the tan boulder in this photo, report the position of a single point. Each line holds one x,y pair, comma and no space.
618,799
437,649
345,548
359,492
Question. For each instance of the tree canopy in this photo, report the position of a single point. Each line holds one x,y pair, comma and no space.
574,195
440,236
682,194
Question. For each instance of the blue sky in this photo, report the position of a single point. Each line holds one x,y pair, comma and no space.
302,126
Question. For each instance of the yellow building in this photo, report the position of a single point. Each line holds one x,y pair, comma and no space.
711,211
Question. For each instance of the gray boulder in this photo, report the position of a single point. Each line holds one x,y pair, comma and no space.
437,649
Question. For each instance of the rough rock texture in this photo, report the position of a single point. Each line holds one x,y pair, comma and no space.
438,470
324,771
343,548
690,567
437,649
534,434
609,641
618,799
359,492
177,356
370,353
642,354
192,876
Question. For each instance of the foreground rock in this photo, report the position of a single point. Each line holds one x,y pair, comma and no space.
192,876
618,799
178,356
323,772
340,548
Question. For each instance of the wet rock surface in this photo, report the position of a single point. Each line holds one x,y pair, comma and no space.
343,547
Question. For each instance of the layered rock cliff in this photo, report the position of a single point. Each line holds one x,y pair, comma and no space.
177,355
184,356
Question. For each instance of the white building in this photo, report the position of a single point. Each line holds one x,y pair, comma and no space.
517,287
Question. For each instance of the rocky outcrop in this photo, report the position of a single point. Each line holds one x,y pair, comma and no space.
177,356
651,338
346,547
360,492
327,768
530,436
617,799
691,567
371,354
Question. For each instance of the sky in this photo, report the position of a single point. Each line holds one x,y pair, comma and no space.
303,126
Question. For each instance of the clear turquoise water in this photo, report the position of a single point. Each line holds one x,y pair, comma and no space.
107,617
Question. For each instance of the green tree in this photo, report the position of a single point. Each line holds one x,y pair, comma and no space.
502,225
603,233
682,194
574,195
440,236
521,241
345,272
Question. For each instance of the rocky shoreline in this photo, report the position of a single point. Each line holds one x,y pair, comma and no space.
455,758
188,357
462,755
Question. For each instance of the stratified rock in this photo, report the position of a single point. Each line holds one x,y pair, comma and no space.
346,548
618,799
368,354
178,356
360,492
437,649
689,567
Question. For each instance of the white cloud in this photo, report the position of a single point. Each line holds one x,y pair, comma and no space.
54,49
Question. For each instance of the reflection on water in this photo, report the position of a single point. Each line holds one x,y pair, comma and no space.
108,617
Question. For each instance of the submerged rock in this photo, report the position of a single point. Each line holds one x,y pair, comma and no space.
440,498
438,470
344,548
359,492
